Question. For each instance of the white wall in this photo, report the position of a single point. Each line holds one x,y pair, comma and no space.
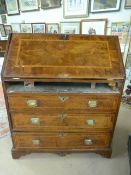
56,16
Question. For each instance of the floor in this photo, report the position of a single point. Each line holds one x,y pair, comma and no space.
75,163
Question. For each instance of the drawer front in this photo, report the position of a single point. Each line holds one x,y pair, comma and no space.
34,121
60,140
89,102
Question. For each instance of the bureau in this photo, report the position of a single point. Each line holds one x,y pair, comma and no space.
62,92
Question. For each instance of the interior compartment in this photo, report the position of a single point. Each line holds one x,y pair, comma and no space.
59,87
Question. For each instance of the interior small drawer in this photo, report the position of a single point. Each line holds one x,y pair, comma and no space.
42,101
60,140
61,121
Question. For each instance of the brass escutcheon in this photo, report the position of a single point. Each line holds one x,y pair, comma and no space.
62,116
63,98
61,135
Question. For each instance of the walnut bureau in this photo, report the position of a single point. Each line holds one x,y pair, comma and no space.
62,92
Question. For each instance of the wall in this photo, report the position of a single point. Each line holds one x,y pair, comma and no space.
56,16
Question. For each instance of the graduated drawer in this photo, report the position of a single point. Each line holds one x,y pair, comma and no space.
60,140
89,102
62,121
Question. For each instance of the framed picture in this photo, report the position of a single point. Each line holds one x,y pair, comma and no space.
70,27
12,7
38,27
127,4
48,4
2,30
26,28
3,19
52,28
29,5
15,27
105,6
121,29
94,26
2,7
8,29
75,8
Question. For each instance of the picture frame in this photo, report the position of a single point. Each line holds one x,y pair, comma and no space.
2,7
97,6
8,29
121,29
49,4
38,27
70,27
52,28
26,28
15,27
94,26
4,19
29,5
2,30
75,9
127,4
12,7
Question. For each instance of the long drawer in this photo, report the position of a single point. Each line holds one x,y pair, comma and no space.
60,140
88,102
61,121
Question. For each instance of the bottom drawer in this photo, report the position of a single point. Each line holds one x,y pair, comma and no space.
60,140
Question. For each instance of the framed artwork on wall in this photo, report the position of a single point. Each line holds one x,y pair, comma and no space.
70,27
26,28
4,19
105,6
8,29
29,5
75,8
38,27
48,4
52,28
2,30
15,27
127,4
94,26
2,7
12,7
121,29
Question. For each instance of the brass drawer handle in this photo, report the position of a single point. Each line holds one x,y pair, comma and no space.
63,98
32,103
36,142
88,142
62,116
90,122
35,121
92,103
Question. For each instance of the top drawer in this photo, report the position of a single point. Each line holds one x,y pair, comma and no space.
42,101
